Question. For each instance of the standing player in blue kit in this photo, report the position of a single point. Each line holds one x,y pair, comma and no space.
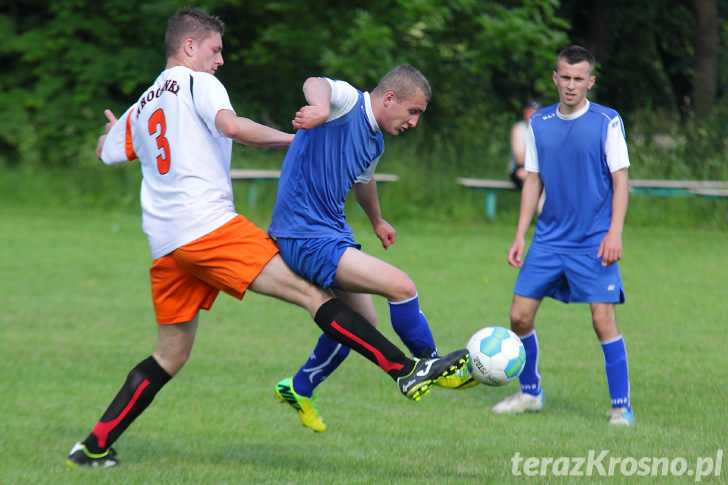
576,151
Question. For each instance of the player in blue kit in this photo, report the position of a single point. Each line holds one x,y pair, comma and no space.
335,151
576,151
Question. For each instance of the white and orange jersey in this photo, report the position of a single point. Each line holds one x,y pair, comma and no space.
186,190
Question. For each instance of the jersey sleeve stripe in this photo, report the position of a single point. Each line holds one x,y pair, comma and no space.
128,142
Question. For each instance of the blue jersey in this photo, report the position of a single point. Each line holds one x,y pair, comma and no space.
572,158
319,170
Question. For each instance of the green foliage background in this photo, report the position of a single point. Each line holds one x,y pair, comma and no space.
67,60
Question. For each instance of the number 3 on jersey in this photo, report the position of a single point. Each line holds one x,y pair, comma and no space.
157,124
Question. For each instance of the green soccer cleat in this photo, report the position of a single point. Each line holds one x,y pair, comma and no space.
304,406
462,379
80,456
429,371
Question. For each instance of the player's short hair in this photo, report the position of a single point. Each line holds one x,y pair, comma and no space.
575,54
190,22
404,81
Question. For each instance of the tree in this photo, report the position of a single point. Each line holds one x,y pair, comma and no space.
64,61
706,44
67,60
660,54
482,58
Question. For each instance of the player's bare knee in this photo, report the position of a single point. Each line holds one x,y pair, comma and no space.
172,362
317,296
402,289
606,329
302,293
604,322
521,323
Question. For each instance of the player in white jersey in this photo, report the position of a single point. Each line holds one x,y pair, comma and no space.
577,152
181,130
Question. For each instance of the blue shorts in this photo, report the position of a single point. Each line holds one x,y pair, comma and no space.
315,259
571,278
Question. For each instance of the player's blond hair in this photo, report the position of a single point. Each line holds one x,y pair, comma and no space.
190,22
404,81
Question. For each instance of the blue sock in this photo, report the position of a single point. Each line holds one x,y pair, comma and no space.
325,358
530,379
615,363
411,326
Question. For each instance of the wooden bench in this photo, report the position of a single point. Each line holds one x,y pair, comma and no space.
675,188
664,188
711,193
491,188
255,176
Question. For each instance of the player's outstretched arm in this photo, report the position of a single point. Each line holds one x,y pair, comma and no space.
248,132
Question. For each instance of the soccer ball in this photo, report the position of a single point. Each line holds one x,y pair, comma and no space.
497,356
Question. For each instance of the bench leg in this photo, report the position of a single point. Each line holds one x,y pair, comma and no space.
490,204
252,194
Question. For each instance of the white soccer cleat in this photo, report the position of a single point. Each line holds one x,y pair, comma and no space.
621,416
520,403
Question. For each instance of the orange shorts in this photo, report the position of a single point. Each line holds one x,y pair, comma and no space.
189,278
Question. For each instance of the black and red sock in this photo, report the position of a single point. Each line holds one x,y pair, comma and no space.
142,384
350,328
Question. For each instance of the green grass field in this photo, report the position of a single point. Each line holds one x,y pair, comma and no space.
77,316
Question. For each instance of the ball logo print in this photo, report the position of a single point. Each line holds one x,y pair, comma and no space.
497,355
